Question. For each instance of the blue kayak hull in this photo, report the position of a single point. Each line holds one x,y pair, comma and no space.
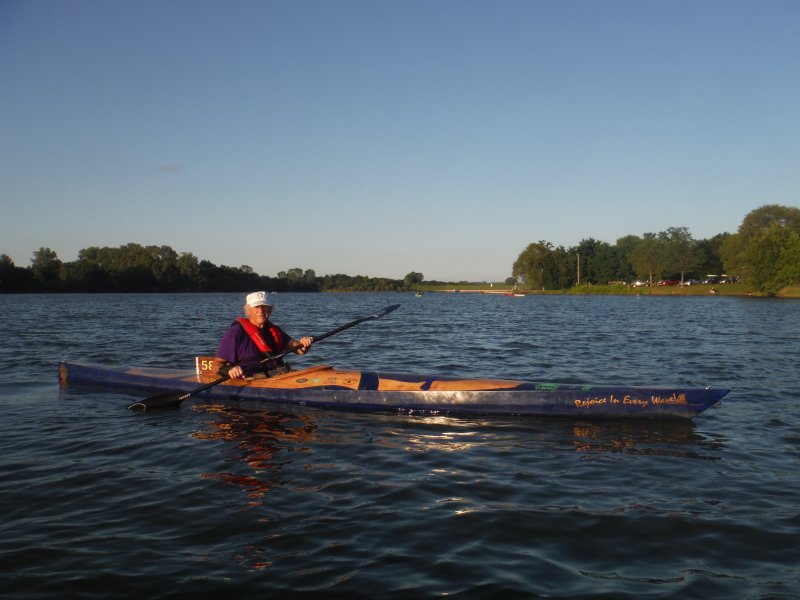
326,387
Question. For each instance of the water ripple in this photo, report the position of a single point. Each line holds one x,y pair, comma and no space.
280,501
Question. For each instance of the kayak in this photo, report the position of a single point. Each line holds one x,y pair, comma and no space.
328,387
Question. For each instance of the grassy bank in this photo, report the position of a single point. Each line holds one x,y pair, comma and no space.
792,291
728,289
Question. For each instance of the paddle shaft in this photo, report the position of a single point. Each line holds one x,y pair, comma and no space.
202,388
277,356
171,399
314,340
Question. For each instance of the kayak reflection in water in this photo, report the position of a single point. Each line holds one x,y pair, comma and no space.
248,341
258,438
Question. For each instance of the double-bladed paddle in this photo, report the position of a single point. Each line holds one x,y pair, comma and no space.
172,399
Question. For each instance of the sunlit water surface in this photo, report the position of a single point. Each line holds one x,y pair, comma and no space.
267,500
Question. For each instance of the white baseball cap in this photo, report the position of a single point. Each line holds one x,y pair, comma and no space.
257,299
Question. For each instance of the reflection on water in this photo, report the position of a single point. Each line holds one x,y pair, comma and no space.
438,433
678,438
300,500
259,439
668,438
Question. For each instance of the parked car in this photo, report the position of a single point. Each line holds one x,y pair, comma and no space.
640,283
691,282
668,282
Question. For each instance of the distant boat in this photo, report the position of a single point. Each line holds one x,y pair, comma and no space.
418,295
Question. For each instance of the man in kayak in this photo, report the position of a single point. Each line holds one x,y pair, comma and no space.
248,341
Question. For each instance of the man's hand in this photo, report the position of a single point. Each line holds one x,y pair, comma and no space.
303,344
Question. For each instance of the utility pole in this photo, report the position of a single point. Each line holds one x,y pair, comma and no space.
579,270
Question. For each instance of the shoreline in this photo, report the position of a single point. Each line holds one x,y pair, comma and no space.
727,289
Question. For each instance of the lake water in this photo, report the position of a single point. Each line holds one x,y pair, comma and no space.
277,501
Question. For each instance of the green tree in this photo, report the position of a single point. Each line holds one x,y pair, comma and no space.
295,274
774,258
163,263
765,217
7,268
624,247
189,271
12,277
764,250
647,257
599,261
46,268
585,252
412,280
680,251
563,270
543,266
711,251
530,264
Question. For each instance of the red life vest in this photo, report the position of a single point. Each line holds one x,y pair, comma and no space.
255,335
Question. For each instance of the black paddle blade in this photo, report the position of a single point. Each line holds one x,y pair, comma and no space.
385,311
160,401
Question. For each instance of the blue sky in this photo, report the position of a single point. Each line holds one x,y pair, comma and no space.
379,138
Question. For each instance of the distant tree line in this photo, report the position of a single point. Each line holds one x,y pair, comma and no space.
137,268
764,254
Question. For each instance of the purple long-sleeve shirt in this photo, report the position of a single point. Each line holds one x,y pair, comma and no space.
236,347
